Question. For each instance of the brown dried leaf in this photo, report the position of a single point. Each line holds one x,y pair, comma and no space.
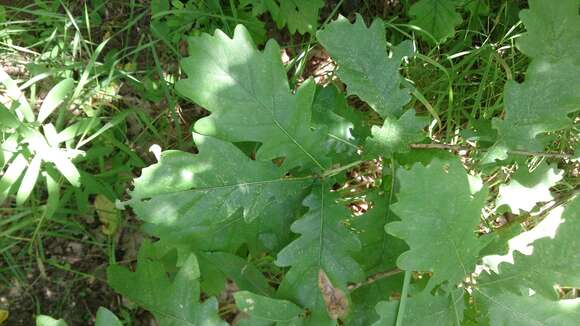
335,299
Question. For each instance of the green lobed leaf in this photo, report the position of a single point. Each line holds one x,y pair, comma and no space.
248,94
439,217
299,15
246,276
364,65
530,280
186,196
549,94
335,99
442,309
552,31
437,17
518,310
396,135
172,302
379,249
424,309
366,298
377,257
300,286
104,318
328,109
552,262
539,105
387,310
324,244
212,203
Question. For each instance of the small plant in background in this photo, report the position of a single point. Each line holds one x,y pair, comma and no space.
30,143
33,147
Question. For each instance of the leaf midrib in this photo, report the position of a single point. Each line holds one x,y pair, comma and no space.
254,183
264,107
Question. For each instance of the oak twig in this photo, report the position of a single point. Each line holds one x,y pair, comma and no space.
375,277
514,152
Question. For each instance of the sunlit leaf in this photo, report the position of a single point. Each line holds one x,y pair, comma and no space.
43,320
29,180
543,102
106,318
54,98
11,175
247,92
526,189
13,96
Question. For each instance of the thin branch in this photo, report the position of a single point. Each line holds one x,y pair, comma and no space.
373,278
439,146
558,155
331,172
514,152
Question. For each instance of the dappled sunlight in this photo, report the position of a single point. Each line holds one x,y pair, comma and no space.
523,242
570,305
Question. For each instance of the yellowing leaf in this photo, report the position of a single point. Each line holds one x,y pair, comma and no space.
108,214
3,315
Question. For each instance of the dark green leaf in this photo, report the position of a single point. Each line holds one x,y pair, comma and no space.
268,309
172,302
364,65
